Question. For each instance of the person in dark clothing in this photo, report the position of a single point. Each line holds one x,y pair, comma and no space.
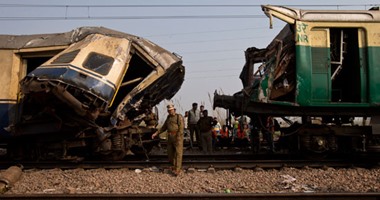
268,132
206,124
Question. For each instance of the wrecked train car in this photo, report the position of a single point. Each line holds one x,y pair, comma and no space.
83,92
323,67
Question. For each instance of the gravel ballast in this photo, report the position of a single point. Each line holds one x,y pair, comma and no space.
122,181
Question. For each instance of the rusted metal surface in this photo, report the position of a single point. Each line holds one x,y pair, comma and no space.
9,177
274,79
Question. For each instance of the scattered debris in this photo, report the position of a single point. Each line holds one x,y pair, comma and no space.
9,177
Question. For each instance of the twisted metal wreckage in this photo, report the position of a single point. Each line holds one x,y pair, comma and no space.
88,95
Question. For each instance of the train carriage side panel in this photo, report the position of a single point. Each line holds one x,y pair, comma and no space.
320,82
364,66
374,62
311,64
319,66
9,77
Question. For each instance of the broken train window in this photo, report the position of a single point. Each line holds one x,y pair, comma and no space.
66,57
138,69
99,63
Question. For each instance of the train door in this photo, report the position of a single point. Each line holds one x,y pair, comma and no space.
320,78
30,60
348,67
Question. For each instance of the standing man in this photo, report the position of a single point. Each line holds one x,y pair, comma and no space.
206,123
268,133
186,131
202,108
193,118
174,127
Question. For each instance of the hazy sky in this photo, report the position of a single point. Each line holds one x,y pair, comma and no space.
212,48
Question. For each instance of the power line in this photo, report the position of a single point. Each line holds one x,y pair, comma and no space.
135,17
213,77
210,51
174,5
214,70
214,60
88,17
217,40
202,32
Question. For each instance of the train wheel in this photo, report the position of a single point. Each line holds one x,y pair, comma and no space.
118,155
315,141
374,146
145,149
315,155
141,151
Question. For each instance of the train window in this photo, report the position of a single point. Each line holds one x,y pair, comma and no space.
66,57
98,63
138,69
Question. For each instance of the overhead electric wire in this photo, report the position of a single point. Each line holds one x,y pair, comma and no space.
217,40
26,18
210,51
89,17
209,76
206,32
176,5
212,70
213,60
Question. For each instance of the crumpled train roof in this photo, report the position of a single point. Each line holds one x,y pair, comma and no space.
161,55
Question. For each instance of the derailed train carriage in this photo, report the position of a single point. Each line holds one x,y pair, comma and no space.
323,67
82,93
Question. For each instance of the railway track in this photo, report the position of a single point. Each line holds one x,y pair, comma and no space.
283,196
197,162
222,159
200,163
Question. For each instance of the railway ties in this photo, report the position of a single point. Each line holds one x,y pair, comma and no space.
219,162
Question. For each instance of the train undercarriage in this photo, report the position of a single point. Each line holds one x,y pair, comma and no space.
311,132
103,145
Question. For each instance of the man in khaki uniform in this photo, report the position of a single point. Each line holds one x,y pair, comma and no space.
174,126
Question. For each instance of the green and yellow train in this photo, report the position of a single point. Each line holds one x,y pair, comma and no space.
323,67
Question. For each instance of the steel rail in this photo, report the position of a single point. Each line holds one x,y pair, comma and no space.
197,164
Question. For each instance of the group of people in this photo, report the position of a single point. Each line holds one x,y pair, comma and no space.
205,131
199,125
239,135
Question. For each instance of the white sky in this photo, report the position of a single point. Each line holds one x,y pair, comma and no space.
212,49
